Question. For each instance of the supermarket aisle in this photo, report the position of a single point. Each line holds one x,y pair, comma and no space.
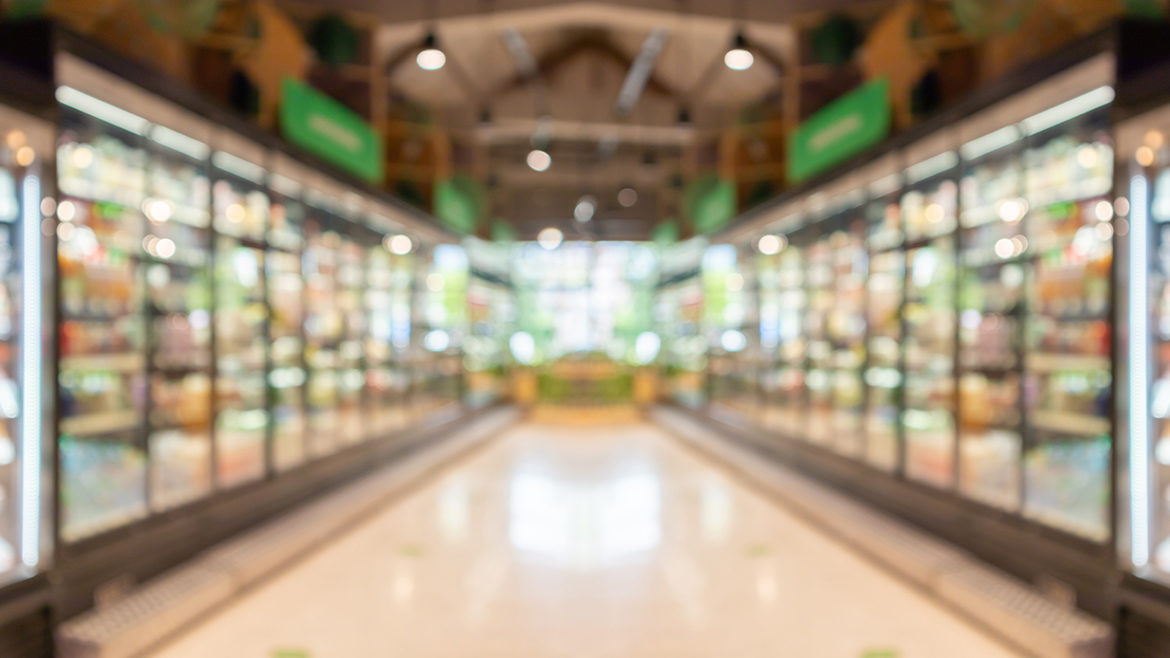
584,542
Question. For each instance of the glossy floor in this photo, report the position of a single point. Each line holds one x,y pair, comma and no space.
585,542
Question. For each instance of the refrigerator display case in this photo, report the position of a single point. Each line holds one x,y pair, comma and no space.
350,300
847,326
175,255
729,325
884,290
818,378
1144,259
1068,177
285,282
379,350
102,381
929,207
241,210
991,319
324,331
983,326
26,144
792,349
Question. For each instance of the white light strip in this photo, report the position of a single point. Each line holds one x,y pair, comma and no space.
102,110
285,185
1139,448
991,142
886,185
238,166
1068,110
177,141
931,166
30,374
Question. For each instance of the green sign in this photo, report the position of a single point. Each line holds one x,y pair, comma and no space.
845,127
665,233
330,130
503,231
710,202
457,203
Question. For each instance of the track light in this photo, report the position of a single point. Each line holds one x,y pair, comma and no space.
539,160
738,57
431,57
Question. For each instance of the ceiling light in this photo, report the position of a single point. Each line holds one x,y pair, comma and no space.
585,209
770,245
399,245
550,238
539,160
627,197
738,57
431,57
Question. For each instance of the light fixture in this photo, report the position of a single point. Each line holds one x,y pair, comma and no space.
770,245
399,245
550,238
585,209
738,57
539,160
627,197
431,57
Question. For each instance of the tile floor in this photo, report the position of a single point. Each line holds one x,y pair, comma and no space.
569,541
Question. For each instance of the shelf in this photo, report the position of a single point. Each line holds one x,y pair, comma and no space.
90,191
1070,193
102,422
1053,361
121,362
1066,422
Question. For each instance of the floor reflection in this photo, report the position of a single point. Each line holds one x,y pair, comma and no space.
584,522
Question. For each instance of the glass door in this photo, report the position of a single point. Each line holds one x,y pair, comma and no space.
884,293
818,377
991,315
323,334
1068,173
351,287
176,255
286,356
102,381
379,341
847,332
1147,311
929,210
25,144
241,330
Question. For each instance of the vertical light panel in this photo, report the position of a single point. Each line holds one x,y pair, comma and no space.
1139,408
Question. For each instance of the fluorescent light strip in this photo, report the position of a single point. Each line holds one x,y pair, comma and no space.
177,141
102,110
285,185
1069,110
886,185
931,166
1139,408
238,166
30,375
989,143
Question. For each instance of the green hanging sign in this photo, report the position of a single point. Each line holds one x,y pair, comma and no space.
845,127
330,130
503,231
457,204
710,203
665,233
